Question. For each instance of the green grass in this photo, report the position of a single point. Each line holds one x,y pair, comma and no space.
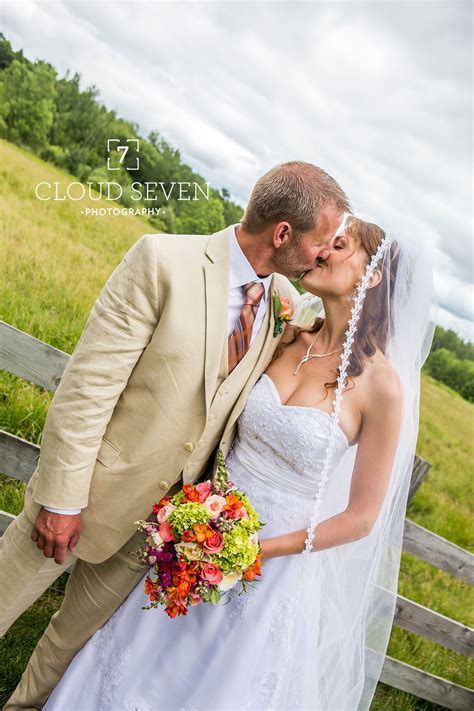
55,263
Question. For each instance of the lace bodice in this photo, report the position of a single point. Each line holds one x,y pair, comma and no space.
283,445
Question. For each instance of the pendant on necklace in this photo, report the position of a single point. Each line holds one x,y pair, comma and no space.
308,355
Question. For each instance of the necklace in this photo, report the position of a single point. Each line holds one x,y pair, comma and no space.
310,355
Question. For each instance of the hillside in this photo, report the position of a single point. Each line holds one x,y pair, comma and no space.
55,261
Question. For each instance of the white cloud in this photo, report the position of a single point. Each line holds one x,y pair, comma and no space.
379,94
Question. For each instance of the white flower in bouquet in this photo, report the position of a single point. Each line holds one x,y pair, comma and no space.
189,550
228,581
157,539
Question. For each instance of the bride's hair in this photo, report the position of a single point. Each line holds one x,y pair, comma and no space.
372,329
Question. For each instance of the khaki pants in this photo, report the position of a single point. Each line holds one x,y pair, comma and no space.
93,593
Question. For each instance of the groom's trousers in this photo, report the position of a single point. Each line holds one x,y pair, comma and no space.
93,592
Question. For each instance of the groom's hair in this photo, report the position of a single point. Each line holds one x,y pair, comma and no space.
296,192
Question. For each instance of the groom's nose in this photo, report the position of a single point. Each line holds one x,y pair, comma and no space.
325,251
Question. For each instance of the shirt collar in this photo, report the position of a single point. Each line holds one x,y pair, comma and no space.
241,271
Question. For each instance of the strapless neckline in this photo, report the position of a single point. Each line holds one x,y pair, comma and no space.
278,401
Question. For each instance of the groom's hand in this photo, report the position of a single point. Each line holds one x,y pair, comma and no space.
56,533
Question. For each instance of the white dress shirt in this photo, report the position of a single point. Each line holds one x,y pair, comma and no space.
241,272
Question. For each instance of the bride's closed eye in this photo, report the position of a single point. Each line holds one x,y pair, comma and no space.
339,244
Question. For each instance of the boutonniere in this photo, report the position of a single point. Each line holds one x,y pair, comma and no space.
283,312
307,308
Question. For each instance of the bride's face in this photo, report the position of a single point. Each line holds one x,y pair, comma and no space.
339,274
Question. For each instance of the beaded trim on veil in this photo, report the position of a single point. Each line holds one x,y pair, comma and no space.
324,476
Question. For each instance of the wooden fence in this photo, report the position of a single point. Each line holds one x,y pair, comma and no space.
40,363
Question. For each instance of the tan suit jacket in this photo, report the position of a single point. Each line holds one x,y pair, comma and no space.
146,397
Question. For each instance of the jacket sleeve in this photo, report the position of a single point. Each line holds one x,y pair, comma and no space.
119,327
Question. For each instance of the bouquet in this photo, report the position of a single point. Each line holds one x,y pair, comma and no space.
204,542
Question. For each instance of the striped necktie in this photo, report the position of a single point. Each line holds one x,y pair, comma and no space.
239,339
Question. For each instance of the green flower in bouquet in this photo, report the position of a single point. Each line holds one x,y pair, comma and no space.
238,552
186,515
252,523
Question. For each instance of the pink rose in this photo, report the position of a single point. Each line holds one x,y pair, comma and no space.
211,573
195,599
166,532
203,489
215,543
214,504
241,513
164,512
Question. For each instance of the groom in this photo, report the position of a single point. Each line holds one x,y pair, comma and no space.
178,336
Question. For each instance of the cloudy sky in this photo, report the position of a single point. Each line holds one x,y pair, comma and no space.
377,93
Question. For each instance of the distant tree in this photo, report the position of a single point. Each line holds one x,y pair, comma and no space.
452,342
443,365
232,212
81,128
200,217
7,55
28,108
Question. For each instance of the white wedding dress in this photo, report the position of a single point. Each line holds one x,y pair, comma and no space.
224,657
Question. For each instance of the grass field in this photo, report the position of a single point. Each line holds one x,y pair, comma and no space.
55,261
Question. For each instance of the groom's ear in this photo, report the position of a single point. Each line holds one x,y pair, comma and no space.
375,279
282,234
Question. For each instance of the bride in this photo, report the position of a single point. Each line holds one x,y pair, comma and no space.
330,483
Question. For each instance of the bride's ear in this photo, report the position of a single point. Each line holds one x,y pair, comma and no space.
375,279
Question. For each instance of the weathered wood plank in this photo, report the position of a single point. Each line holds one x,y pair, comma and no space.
412,616
427,686
18,457
437,551
30,358
420,470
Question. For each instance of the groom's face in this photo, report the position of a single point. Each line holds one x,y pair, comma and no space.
301,252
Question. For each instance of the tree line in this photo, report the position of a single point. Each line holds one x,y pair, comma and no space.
451,361
66,125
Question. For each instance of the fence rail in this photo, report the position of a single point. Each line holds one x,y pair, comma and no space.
42,364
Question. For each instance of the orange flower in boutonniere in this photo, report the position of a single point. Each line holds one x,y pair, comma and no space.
283,312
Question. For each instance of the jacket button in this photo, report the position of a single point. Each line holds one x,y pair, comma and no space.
189,446
165,485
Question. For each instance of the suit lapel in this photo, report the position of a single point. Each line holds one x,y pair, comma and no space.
216,274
